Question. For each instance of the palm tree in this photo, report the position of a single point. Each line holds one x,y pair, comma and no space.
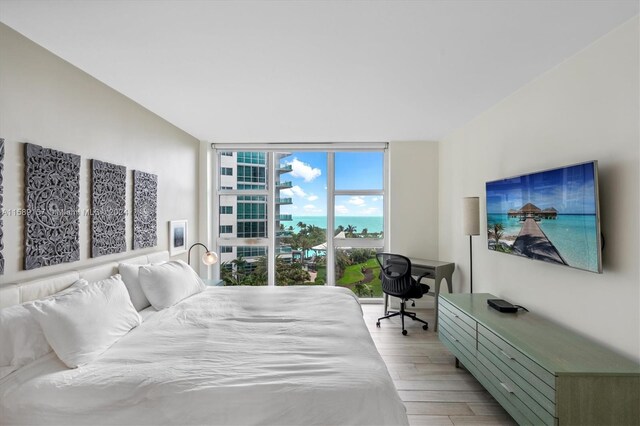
259,274
498,229
342,261
236,273
350,230
364,232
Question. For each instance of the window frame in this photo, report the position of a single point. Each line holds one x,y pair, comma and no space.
269,242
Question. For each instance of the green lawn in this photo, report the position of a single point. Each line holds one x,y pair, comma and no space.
353,274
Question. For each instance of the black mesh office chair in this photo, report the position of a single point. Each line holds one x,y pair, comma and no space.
395,273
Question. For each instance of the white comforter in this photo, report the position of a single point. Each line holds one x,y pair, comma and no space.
227,356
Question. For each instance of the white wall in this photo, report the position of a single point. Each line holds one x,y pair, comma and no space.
46,101
413,198
586,108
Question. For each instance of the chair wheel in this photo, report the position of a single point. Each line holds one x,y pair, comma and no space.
378,324
425,327
404,332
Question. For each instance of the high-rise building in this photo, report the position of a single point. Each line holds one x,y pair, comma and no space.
245,216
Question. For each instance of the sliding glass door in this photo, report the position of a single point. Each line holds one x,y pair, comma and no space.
300,216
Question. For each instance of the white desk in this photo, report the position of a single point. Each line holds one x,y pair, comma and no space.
435,270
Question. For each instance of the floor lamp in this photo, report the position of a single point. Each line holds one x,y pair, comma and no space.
471,227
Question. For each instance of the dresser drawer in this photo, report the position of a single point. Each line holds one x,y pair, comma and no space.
504,400
457,332
516,395
542,393
460,336
508,352
465,322
458,344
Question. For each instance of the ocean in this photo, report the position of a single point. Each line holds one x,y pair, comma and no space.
371,223
574,236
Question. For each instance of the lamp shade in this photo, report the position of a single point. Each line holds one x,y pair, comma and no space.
471,215
209,258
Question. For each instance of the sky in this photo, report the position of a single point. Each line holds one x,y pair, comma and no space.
354,170
570,190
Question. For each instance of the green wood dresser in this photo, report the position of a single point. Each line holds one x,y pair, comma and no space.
540,372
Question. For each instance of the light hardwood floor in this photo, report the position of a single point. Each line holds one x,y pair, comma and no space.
434,391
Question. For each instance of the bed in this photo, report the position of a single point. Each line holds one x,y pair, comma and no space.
228,355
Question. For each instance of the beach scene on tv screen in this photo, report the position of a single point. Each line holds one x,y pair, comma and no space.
549,216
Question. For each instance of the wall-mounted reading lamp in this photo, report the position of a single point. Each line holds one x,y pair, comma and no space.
209,258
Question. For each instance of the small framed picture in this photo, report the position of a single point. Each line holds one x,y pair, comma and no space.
177,237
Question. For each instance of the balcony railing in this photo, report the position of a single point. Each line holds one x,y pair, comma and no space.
284,233
283,250
283,185
284,201
285,168
284,217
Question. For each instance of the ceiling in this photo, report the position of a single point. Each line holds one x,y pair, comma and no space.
315,71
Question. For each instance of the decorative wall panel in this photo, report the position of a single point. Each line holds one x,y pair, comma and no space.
145,210
108,208
1,199
52,191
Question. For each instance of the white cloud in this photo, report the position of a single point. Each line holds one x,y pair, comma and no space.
341,210
374,199
312,197
357,201
295,190
298,191
304,170
370,210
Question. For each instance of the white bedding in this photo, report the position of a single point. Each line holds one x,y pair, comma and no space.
228,355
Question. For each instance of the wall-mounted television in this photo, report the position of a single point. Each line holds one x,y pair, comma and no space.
552,215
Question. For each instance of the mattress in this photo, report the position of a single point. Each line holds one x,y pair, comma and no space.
227,356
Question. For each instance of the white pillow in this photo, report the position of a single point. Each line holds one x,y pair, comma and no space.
168,283
129,273
82,324
22,338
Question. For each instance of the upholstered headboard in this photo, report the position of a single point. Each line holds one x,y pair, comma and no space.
26,291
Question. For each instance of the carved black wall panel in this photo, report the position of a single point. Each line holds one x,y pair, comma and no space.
1,215
52,192
145,210
108,208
